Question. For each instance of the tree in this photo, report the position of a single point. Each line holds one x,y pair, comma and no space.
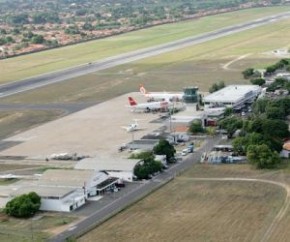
248,73
275,113
275,128
258,81
164,148
228,111
231,125
241,144
216,86
37,39
146,168
262,156
196,127
23,206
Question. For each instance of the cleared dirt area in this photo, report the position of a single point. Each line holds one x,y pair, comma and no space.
190,210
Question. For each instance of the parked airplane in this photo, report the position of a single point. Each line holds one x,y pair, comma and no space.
148,107
131,127
155,96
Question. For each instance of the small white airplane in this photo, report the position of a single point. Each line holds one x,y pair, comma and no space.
157,96
150,106
131,127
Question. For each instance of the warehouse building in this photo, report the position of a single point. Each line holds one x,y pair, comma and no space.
59,199
92,182
61,190
234,96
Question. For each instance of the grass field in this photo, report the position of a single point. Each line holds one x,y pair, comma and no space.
38,63
37,229
200,65
13,122
189,210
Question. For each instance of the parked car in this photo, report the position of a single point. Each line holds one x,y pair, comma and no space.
184,152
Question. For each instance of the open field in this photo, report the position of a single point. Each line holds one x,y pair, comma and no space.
47,61
190,210
39,228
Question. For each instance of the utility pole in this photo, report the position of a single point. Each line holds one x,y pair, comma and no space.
31,228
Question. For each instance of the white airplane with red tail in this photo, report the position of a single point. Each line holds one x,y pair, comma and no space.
149,106
158,96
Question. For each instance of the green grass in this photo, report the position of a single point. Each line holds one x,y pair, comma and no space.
46,61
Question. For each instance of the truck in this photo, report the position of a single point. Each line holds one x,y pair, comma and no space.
190,148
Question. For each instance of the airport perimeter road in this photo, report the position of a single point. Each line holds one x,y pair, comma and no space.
46,79
135,194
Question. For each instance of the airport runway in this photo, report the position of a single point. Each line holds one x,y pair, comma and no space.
50,78
133,195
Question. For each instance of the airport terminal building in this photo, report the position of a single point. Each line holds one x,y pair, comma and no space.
234,96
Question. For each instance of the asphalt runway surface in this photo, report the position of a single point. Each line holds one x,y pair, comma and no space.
58,76
137,193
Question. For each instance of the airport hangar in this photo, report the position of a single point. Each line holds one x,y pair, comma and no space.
61,190
235,96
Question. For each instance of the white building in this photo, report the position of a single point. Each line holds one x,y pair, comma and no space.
92,182
60,199
235,96
120,168
61,190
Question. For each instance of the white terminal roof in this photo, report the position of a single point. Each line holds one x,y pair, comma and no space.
232,93
107,164
44,191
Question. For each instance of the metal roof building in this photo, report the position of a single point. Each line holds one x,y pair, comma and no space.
235,96
120,168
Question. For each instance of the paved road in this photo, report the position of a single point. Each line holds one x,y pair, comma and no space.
46,79
135,194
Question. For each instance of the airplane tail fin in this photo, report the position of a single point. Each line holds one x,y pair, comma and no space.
132,102
143,90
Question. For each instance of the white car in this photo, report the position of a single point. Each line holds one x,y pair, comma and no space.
184,152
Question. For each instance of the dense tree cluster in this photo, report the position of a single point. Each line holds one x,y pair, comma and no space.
23,206
196,127
148,166
165,148
262,134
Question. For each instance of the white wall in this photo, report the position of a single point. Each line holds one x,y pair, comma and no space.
62,205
